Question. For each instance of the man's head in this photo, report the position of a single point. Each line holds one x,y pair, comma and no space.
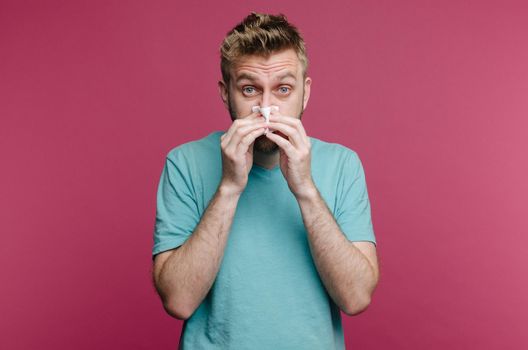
264,63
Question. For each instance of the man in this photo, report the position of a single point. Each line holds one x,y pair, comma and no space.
263,234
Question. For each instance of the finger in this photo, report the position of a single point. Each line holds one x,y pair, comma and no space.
248,140
292,133
240,133
243,121
293,122
238,123
284,144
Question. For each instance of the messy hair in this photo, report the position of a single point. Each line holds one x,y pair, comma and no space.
260,34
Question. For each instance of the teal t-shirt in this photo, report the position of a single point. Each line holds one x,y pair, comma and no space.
267,293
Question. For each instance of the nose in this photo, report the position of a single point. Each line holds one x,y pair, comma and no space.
267,98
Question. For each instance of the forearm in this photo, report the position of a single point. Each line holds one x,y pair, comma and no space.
190,271
345,271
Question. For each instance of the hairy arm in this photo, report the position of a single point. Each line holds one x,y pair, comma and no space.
183,276
349,270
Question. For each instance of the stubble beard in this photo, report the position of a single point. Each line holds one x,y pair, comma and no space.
262,143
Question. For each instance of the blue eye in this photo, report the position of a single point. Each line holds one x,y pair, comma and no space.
284,89
248,90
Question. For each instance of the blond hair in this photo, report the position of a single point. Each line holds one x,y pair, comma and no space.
260,34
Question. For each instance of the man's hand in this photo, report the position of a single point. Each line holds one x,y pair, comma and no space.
237,151
295,153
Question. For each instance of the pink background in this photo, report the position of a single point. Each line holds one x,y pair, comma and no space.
432,95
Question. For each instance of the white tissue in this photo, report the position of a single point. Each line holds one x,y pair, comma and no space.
265,111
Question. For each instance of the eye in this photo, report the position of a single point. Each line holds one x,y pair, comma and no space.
248,90
284,90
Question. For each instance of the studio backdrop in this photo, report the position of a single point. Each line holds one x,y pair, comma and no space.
433,96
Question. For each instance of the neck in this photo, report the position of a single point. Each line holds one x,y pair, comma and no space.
266,160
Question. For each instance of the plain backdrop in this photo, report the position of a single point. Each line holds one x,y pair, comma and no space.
432,95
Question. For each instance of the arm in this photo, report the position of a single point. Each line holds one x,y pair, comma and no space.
349,270
184,276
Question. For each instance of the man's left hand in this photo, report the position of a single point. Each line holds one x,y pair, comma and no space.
295,153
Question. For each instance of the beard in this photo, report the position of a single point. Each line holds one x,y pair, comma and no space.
262,144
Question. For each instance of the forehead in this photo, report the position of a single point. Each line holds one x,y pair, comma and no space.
278,63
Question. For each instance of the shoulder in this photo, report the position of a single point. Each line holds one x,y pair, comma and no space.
196,149
332,151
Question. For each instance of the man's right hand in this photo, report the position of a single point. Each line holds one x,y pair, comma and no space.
237,151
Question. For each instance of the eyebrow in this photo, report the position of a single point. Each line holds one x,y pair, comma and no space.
251,77
287,75
246,76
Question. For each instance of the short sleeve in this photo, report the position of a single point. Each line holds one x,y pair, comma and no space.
176,209
353,213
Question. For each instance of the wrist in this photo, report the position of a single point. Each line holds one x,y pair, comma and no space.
309,193
228,191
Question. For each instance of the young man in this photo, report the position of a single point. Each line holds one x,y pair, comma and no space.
263,234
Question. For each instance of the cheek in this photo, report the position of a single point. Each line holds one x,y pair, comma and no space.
240,107
245,105
293,105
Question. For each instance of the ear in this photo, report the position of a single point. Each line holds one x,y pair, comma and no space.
222,89
307,85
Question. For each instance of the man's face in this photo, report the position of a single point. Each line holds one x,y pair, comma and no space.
260,81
